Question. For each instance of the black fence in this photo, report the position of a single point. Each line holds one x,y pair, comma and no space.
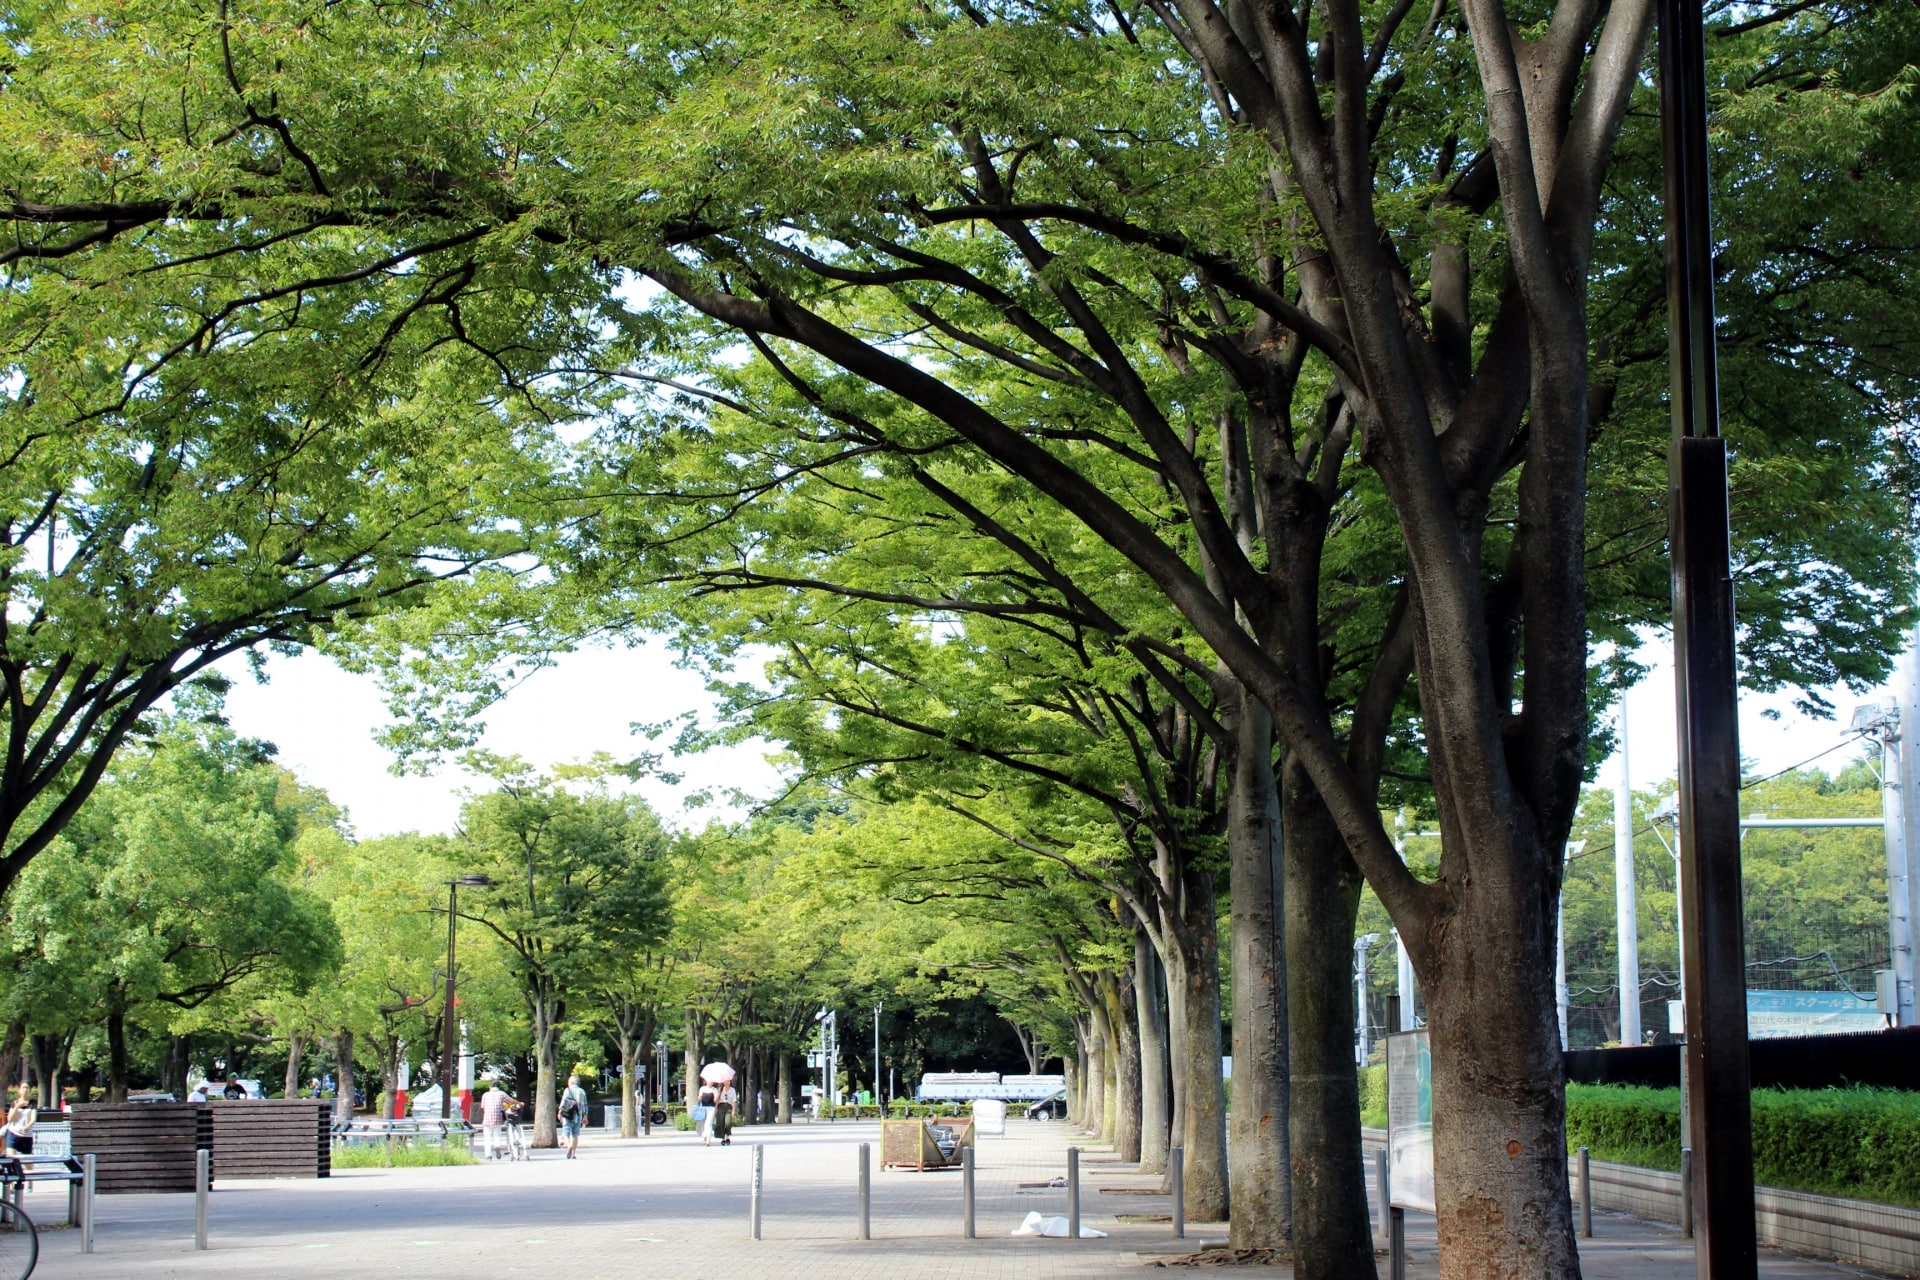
1883,1059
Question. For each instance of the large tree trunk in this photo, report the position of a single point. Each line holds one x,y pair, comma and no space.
545,1095
1257,1140
1124,1024
49,1063
173,1068
343,1077
295,1043
1156,1087
748,1109
1498,1082
1330,1228
1193,971
629,1063
783,1113
690,1073
10,1047
116,1055
1094,1118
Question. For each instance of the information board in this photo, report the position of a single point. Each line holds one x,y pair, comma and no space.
1771,1014
1410,1121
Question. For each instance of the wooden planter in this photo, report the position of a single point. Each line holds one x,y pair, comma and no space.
143,1146
909,1144
278,1139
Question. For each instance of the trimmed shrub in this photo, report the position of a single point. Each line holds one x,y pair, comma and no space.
1373,1097
1855,1143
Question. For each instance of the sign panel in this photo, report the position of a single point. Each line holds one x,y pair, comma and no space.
1772,1014
1410,1121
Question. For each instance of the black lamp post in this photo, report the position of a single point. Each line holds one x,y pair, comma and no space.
447,1043
1719,1111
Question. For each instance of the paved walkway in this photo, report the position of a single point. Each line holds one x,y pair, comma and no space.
665,1208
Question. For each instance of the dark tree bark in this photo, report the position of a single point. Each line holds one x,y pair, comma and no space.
291,1084
343,1078
1156,1085
1331,1232
116,1054
1257,1139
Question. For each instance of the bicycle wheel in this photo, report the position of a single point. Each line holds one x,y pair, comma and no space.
19,1242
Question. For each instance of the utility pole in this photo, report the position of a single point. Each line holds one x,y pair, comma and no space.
876,1053
1626,899
1720,1117
1361,946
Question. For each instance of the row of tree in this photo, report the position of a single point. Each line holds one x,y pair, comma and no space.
1166,436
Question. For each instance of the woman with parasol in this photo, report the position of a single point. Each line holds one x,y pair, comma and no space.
717,1096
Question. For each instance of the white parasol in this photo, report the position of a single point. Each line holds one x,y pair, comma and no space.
716,1073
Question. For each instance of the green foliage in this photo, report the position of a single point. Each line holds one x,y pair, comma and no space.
1373,1096
1856,1143
175,887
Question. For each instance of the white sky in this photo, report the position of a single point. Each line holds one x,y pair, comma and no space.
323,721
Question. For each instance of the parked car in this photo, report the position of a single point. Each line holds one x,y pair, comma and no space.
151,1096
1053,1107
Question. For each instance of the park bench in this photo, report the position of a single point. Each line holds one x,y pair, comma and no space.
366,1132
19,1172
924,1144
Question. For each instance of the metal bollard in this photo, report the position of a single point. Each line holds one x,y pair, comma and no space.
1177,1175
866,1191
1586,1194
1686,1192
966,1189
1073,1193
202,1182
1385,1188
1397,1244
759,1168
88,1176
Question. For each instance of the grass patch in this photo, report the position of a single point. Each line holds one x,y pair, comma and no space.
399,1156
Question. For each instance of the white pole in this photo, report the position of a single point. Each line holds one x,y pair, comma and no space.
1626,900
1561,996
1408,1022
1900,796
1403,975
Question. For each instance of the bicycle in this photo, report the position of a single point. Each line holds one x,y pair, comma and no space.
19,1242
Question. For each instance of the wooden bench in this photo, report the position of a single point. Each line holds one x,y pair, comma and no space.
912,1144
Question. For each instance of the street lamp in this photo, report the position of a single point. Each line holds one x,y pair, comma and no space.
447,1041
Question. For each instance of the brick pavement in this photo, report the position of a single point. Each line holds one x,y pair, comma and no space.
666,1208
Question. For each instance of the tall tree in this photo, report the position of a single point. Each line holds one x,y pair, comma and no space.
575,876
1306,271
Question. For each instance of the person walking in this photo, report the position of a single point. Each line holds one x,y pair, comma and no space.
709,1100
20,1118
723,1104
573,1114
493,1118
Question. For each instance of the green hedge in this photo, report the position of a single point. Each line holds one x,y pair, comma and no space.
1373,1097
1857,1143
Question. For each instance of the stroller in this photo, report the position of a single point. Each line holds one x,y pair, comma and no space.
515,1144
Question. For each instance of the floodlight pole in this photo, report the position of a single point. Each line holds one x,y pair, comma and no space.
1720,1111
450,1031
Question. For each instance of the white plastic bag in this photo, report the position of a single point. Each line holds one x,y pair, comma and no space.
1036,1225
